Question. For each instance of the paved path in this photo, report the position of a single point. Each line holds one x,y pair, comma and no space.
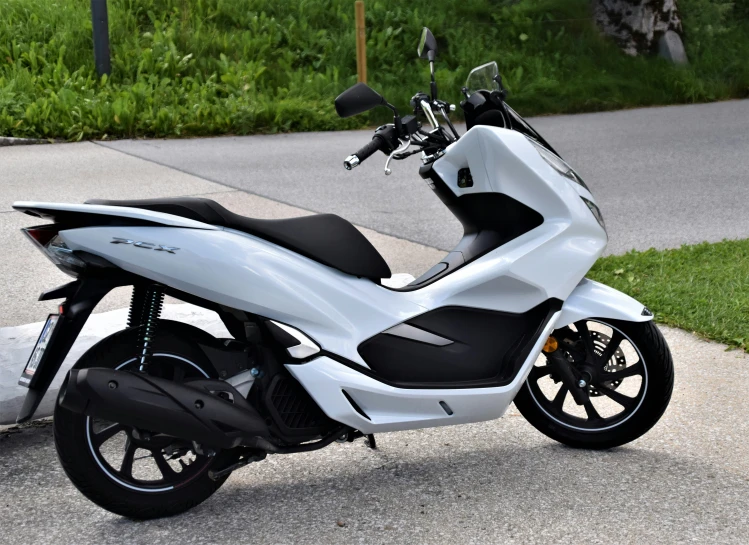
687,480
663,176
495,482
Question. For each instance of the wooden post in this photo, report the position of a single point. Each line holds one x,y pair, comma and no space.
100,23
361,43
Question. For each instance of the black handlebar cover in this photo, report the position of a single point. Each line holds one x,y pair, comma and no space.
385,140
369,149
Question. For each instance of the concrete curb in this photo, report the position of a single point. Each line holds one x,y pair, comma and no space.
12,141
16,344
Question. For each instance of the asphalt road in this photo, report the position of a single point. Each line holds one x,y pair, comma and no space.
687,480
495,482
662,176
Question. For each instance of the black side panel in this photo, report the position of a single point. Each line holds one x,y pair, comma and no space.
489,220
488,347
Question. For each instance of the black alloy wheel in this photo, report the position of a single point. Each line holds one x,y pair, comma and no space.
140,459
624,372
133,472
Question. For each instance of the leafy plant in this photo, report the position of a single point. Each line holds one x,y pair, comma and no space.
202,67
702,288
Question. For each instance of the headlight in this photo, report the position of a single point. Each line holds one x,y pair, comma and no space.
558,164
596,213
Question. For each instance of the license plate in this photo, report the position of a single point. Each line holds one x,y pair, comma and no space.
46,336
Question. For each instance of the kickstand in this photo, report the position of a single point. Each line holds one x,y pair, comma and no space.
371,441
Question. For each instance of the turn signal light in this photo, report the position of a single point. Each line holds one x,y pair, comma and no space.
551,345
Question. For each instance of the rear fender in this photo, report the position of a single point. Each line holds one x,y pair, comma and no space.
592,299
81,298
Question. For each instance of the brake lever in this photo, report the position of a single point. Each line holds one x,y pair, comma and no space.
400,150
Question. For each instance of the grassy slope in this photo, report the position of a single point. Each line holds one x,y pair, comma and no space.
702,288
195,67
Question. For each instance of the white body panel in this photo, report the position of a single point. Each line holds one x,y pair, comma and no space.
338,311
395,409
592,299
119,211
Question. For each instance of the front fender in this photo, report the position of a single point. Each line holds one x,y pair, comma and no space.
592,299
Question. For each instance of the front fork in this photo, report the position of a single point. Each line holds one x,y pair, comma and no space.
577,386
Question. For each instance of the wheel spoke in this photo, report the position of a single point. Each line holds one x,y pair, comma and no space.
591,411
614,342
128,458
539,372
164,467
582,329
636,369
621,399
102,436
558,401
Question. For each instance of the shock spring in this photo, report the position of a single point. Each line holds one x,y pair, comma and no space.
153,301
137,302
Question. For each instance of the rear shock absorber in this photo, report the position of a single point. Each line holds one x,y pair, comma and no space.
137,302
152,303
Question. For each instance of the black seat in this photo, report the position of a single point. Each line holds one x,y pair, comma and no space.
326,238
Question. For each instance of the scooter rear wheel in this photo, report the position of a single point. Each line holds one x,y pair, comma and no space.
123,470
626,372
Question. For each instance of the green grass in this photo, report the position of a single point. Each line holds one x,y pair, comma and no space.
202,67
702,288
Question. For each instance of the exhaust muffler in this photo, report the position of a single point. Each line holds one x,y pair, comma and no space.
209,412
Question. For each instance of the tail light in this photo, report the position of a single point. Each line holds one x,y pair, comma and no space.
42,235
47,239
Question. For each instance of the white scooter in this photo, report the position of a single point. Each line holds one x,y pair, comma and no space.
153,419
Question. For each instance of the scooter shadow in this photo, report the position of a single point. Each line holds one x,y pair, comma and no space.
618,494
488,484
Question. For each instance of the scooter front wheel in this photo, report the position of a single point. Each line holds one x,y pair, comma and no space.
625,373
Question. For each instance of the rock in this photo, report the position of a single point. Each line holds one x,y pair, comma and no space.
637,25
671,48
12,141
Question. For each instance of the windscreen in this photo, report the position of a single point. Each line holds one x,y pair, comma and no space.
482,78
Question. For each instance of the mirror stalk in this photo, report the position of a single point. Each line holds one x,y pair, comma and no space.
433,85
396,118
433,88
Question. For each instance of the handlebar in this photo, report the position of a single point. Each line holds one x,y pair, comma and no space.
353,161
385,140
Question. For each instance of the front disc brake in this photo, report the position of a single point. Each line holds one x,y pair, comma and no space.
617,362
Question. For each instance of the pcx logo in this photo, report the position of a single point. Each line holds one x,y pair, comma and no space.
145,245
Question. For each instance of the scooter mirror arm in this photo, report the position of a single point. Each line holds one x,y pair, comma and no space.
396,118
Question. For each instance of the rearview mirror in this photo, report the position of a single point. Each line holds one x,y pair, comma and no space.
427,45
358,99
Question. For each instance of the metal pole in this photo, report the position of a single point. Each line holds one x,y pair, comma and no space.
100,22
361,43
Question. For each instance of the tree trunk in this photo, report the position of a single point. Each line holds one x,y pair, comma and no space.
637,25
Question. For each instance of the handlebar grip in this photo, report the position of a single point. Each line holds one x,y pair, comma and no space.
353,161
